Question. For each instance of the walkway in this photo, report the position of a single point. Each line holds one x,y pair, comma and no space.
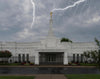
50,76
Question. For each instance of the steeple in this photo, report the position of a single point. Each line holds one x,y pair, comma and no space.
50,41
50,33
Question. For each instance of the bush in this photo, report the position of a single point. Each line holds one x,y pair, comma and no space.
23,63
31,63
5,54
16,61
70,64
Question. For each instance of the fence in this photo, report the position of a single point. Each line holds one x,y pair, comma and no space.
16,59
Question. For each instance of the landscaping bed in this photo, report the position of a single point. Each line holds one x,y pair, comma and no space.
17,64
16,77
82,64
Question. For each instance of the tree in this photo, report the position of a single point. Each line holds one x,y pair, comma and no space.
65,40
95,55
98,44
5,55
86,56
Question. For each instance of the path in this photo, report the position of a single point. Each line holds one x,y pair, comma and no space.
50,76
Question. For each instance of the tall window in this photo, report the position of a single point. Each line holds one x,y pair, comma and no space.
73,57
23,57
81,58
77,57
19,58
27,57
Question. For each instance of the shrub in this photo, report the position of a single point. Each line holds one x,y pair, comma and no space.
31,63
5,54
23,63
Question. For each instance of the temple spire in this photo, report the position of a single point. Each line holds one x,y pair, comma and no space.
50,33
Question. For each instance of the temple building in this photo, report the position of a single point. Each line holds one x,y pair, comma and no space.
48,51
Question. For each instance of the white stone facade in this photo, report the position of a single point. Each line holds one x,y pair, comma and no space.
48,45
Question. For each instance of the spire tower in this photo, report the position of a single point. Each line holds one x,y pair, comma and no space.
50,33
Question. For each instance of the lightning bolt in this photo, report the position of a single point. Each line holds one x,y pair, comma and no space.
70,6
33,13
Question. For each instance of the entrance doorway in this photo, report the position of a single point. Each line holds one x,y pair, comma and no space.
51,58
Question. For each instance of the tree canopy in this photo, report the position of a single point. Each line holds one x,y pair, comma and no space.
66,40
5,53
94,54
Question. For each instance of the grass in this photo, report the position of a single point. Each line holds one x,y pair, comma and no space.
16,77
83,76
87,64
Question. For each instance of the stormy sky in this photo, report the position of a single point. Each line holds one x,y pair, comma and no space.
80,23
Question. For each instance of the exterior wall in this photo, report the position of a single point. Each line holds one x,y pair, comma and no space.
21,48
79,48
33,48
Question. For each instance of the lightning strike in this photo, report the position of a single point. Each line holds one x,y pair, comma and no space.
70,6
33,13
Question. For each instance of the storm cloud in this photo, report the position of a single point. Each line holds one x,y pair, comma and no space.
80,23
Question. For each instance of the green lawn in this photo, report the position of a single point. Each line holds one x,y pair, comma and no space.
87,64
16,77
83,76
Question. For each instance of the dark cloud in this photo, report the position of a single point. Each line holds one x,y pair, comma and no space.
81,23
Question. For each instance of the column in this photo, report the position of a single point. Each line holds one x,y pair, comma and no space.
37,58
65,58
